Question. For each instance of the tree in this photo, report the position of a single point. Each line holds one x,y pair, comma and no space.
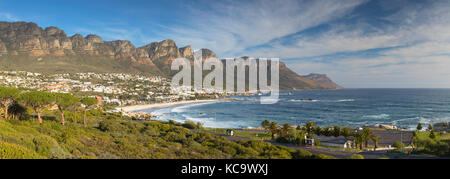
359,140
7,96
336,131
318,130
17,110
285,129
273,128
64,102
430,127
432,135
37,100
309,127
88,103
414,140
346,132
265,124
366,136
419,127
375,140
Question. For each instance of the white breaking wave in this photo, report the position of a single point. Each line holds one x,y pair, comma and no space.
380,116
346,100
303,100
183,108
315,100
213,123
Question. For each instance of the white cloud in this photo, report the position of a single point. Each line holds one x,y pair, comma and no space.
421,58
229,27
4,16
117,32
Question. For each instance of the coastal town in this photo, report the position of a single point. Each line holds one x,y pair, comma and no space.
116,89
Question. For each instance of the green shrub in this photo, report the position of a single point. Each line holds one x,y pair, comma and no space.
190,125
13,151
302,154
356,156
112,126
398,145
175,137
322,156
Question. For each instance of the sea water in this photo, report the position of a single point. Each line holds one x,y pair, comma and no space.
404,108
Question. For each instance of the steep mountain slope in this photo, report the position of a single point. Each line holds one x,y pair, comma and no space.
322,79
26,46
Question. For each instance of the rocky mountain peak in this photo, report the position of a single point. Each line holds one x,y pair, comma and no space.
26,42
167,43
322,79
166,49
94,39
54,31
206,53
187,52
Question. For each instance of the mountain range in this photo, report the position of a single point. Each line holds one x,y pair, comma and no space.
26,46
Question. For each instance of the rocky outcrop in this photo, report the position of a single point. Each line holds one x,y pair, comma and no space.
3,49
187,52
19,39
322,79
206,53
166,49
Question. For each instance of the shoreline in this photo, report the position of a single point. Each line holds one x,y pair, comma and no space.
164,105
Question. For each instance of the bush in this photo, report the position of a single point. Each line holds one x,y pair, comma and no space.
322,156
302,154
190,125
175,137
112,126
398,145
12,151
356,156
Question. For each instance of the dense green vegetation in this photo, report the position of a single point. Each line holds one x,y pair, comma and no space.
57,133
287,134
431,142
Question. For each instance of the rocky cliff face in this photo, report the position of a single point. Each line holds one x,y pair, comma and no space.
21,42
322,79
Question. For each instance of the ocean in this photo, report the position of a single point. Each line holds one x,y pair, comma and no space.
404,108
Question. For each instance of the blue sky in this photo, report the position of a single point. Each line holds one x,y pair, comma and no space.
358,43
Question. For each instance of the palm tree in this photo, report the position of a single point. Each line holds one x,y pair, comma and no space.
309,127
366,136
375,140
265,124
358,139
285,129
273,128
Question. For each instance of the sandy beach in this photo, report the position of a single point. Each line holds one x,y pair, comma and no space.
163,105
